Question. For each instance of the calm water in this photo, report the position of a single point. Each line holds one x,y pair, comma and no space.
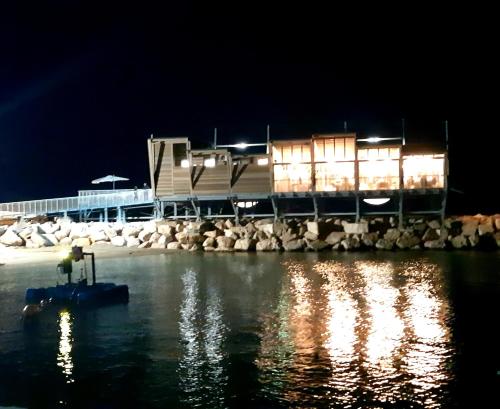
374,330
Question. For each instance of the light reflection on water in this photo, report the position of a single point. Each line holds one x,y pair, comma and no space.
343,334
202,373
64,359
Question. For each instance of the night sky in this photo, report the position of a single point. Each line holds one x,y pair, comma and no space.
83,85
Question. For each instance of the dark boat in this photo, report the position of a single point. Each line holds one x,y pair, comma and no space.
79,293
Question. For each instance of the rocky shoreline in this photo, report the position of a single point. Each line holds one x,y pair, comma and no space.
378,233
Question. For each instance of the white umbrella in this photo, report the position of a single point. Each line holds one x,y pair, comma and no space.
109,178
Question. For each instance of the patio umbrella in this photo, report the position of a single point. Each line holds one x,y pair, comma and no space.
109,178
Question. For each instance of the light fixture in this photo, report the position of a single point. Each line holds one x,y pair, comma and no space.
184,163
375,139
377,201
241,145
209,163
262,161
246,205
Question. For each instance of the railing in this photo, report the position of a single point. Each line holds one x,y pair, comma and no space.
76,203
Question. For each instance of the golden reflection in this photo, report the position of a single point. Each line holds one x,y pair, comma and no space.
341,341
345,335
64,359
384,328
429,348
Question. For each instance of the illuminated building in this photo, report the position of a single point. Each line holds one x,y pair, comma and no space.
323,168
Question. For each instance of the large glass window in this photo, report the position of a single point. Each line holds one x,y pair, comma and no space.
292,167
423,171
334,164
378,168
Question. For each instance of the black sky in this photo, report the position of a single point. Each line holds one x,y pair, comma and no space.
82,84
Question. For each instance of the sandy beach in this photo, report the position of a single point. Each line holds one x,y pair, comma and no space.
13,256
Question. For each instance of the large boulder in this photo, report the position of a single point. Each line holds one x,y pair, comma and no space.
209,242
111,232
316,245
154,237
308,235
39,240
294,245
49,227
118,241
9,238
459,241
213,233
145,245
485,228
392,234
25,233
157,245
469,227
322,229
145,235
149,227
434,224
99,235
435,244
244,244
287,236
165,240
182,237
174,245
78,230
407,240
430,235
264,245
81,242
496,222
131,230
355,228
383,244
369,239
165,229
133,241
65,241
225,243
335,237
250,228
63,232
350,243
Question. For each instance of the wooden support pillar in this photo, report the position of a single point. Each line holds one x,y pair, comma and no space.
105,215
162,210
175,210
